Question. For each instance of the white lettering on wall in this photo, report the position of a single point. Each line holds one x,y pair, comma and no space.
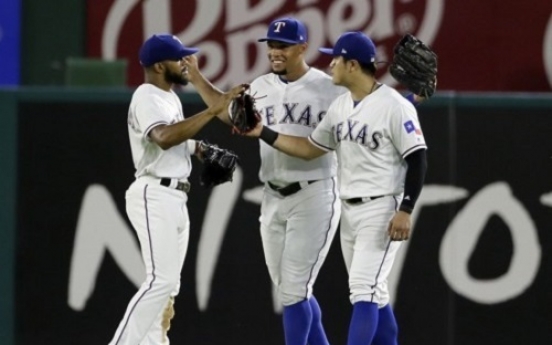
431,195
101,229
461,239
219,210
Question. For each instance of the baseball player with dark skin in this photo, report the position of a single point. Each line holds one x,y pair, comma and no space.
162,146
377,137
301,207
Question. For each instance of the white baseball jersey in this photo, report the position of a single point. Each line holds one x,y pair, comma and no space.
294,108
296,230
150,107
371,140
158,214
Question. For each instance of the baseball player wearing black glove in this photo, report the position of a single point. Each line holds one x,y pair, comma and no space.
415,66
301,204
373,182
161,144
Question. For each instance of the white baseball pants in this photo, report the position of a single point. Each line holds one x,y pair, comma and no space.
367,249
160,218
297,232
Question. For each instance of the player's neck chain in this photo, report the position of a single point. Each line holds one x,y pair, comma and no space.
375,86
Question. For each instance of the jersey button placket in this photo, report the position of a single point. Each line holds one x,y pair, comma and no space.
284,102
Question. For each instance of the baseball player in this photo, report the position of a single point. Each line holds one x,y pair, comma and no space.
300,209
380,147
161,144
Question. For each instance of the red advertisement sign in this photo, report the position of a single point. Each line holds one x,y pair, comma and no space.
482,46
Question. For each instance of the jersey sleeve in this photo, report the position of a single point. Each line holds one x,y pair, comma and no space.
323,135
150,113
191,145
406,132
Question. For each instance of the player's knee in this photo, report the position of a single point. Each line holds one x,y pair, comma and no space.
176,290
369,293
290,298
166,285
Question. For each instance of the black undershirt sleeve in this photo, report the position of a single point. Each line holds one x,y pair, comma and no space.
414,181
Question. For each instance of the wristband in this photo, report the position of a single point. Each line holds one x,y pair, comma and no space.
406,208
268,135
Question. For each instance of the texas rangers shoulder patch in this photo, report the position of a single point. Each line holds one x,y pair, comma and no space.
410,127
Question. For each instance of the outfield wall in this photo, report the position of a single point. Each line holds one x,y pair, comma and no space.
477,264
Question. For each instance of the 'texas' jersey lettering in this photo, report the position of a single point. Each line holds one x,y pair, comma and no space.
293,113
294,108
353,130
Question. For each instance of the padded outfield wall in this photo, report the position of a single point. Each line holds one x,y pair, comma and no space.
479,257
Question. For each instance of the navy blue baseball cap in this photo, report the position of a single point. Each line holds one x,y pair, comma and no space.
353,46
287,30
163,47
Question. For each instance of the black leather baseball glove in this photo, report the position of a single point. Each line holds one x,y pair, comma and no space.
218,164
243,113
415,66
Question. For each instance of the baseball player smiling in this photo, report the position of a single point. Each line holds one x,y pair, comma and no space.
300,207
380,147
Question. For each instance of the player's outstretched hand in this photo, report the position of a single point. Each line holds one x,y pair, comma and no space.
255,132
399,226
221,105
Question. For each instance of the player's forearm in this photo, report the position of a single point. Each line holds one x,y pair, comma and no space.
414,180
418,99
294,146
175,134
208,92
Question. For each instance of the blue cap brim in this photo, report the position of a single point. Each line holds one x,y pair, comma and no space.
328,51
188,51
278,40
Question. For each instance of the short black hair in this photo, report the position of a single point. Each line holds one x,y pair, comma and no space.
367,68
